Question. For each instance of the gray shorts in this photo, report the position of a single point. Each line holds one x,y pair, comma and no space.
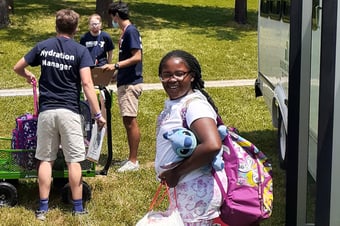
60,127
128,96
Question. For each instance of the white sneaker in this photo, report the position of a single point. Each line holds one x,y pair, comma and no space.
122,163
129,166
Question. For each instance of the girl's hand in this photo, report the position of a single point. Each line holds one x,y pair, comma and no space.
170,177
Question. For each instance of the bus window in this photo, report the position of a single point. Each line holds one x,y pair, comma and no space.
316,15
285,7
275,9
264,8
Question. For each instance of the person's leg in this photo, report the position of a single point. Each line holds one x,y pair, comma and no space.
133,135
44,181
46,152
76,185
72,142
75,180
128,103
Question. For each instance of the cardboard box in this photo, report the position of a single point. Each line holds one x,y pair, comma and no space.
101,77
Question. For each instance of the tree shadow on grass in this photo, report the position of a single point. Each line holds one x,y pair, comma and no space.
158,16
213,22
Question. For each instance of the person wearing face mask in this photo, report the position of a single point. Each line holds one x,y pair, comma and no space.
129,78
98,42
100,46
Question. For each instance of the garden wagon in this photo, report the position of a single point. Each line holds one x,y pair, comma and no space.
18,164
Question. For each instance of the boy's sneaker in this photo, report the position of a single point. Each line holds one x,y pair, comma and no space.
128,166
77,213
40,215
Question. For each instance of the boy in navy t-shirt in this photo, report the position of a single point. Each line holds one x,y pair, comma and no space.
129,78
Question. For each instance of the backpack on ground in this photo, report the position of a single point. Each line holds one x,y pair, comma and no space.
248,198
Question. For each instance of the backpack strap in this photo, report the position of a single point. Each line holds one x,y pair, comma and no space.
184,111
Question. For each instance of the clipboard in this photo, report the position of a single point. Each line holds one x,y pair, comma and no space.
101,77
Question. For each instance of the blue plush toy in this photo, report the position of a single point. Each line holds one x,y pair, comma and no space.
222,130
184,142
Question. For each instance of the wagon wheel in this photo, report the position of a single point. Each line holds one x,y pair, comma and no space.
66,194
59,183
14,182
8,194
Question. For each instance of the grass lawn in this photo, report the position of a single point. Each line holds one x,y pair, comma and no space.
225,50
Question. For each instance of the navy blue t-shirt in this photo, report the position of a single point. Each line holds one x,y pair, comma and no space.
130,40
98,46
60,59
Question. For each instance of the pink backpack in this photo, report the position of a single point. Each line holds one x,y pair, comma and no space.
248,198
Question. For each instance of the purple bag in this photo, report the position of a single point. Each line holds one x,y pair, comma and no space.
249,197
24,136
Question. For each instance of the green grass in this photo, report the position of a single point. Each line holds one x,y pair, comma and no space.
121,199
225,50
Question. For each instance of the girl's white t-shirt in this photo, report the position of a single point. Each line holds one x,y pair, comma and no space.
171,118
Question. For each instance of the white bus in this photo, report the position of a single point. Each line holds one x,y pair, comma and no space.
273,68
299,78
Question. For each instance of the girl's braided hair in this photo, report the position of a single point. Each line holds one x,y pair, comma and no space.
195,68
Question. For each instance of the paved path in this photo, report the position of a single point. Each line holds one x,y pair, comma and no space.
146,86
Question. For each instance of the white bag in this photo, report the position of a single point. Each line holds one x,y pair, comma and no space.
170,217
167,218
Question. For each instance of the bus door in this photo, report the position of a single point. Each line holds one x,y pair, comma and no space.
313,110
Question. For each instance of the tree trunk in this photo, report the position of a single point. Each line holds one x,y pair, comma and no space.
102,7
241,11
4,18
